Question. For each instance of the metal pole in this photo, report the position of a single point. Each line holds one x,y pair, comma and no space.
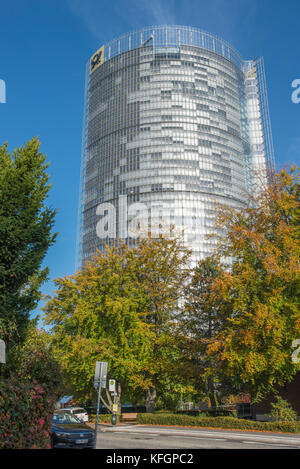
114,417
100,379
97,414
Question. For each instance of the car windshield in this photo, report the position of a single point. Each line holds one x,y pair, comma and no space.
62,418
79,411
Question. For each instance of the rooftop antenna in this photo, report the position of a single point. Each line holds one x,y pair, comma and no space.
148,40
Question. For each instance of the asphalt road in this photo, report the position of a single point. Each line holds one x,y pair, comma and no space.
155,437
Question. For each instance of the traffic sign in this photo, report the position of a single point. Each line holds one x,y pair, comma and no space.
112,385
115,407
100,374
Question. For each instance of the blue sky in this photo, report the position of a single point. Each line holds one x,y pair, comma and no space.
45,44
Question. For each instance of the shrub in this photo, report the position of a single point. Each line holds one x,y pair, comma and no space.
219,412
103,418
216,422
25,415
282,411
37,361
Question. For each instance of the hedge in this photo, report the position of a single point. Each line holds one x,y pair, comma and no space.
25,415
103,418
217,422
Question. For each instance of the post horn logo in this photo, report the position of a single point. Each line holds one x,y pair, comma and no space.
97,59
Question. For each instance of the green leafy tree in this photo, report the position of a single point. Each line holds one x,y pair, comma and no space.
25,235
98,314
119,308
204,317
163,269
254,347
282,411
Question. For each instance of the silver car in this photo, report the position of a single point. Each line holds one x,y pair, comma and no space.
79,412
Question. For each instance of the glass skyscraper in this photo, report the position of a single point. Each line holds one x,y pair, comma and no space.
176,122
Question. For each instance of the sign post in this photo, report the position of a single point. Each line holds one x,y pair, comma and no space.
2,356
112,390
99,382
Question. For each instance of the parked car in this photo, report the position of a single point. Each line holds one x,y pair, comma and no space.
79,412
69,432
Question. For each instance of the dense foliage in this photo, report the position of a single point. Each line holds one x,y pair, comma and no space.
30,379
169,332
25,236
282,411
120,308
259,290
36,360
25,415
204,316
216,422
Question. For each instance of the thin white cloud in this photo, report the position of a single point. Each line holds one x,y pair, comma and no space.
106,19
117,17
92,13
154,11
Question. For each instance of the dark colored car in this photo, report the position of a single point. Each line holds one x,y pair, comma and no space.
69,432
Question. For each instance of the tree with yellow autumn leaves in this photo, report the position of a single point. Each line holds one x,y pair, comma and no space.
260,290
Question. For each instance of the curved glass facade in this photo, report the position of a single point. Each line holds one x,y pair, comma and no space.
175,123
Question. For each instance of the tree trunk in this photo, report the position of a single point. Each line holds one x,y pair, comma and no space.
150,400
211,393
109,403
118,398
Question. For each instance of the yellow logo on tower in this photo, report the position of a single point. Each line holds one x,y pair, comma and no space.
97,59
